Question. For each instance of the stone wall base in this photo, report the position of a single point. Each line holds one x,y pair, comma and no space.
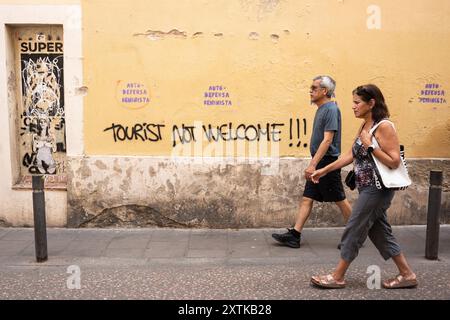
218,193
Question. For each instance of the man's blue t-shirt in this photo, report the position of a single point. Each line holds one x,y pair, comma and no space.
327,118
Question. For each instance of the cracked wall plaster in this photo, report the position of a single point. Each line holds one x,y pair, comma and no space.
160,35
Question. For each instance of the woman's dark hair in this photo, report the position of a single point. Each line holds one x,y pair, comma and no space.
370,91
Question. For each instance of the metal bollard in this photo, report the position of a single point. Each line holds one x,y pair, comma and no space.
40,229
434,207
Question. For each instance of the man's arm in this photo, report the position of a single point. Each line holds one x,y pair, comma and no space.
321,151
344,159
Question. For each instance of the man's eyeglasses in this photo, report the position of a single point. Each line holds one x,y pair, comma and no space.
315,88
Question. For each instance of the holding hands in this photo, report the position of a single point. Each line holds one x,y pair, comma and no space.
317,175
309,171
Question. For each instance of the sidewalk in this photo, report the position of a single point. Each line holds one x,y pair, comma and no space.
206,264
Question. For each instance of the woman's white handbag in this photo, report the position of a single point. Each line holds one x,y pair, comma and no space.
386,177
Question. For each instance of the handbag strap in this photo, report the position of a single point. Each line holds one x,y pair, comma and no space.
371,131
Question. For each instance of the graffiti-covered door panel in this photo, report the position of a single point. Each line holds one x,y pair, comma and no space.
40,66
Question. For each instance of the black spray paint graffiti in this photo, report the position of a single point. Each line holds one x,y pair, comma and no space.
42,83
42,121
186,134
229,132
143,132
291,127
225,132
43,143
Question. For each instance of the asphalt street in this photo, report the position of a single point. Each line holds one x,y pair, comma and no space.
200,264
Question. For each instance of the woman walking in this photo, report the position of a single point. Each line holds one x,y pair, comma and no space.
368,216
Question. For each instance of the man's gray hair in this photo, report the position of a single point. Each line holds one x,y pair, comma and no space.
328,83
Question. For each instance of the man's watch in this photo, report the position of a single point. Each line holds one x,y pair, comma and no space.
371,148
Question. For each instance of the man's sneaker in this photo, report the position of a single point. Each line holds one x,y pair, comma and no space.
290,238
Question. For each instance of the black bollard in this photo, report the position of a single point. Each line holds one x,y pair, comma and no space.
434,208
40,228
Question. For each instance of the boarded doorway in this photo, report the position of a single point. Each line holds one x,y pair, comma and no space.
41,137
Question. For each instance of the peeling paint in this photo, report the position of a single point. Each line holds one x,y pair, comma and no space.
99,164
162,165
170,187
117,168
5,224
253,36
216,195
274,37
197,35
161,35
182,214
85,171
130,216
268,5
81,91
126,182
129,171
12,82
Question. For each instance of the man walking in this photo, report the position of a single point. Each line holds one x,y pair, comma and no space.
325,147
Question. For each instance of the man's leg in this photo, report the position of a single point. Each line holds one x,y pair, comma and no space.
293,236
303,213
345,208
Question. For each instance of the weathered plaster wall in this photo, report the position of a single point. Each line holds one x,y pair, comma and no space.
262,54
152,69
158,191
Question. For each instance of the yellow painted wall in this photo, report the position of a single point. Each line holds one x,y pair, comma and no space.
265,53
39,2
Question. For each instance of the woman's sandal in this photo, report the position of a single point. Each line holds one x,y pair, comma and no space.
327,282
400,282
